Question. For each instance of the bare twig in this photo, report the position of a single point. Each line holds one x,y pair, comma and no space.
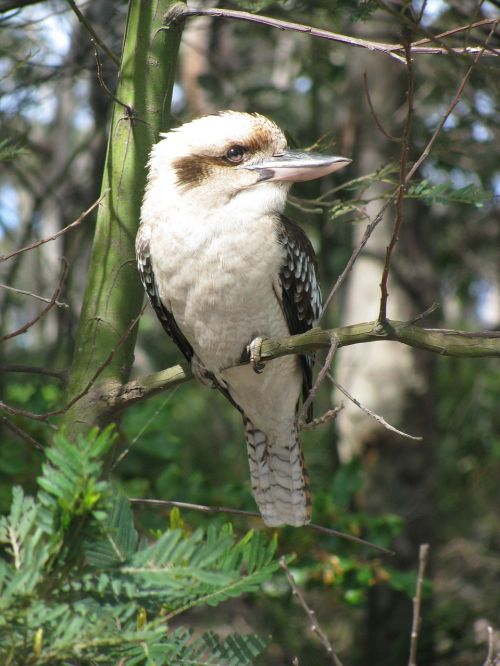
374,115
56,412
36,370
94,36
46,309
21,433
180,12
319,380
102,83
454,102
489,657
74,224
356,252
405,147
203,508
315,626
321,420
417,602
29,293
377,418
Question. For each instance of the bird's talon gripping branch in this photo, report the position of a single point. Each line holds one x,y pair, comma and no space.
255,351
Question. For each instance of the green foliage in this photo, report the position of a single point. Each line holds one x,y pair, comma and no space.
9,150
77,582
446,193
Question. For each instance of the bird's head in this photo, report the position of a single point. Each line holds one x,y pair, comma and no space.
232,157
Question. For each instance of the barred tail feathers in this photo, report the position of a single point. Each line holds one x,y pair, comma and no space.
280,483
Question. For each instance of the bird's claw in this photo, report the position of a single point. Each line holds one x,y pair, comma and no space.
255,351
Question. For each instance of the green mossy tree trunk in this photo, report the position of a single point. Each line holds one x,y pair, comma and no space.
113,297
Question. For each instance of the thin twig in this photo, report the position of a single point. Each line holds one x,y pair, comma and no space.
405,147
180,12
489,657
377,418
432,308
374,115
29,293
328,416
57,412
356,252
454,102
102,83
43,312
203,508
21,433
35,370
417,602
315,626
74,224
94,36
319,380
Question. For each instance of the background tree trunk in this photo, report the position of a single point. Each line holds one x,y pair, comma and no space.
392,380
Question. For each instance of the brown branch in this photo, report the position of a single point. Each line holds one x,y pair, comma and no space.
319,380
315,626
379,125
74,224
203,508
180,12
36,370
57,412
417,602
369,412
45,310
21,433
355,254
405,148
94,36
23,292
324,418
454,102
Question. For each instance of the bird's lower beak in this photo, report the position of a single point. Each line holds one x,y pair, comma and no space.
294,166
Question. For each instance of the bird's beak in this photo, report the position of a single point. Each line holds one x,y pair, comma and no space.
295,166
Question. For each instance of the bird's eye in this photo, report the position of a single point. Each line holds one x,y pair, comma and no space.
235,154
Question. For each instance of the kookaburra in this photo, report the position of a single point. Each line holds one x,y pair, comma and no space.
224,268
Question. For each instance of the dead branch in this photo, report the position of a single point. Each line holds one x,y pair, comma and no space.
93,35
315,626
21,433
203,508
405,149
378,419
23,292
417,602
46,309
74,224
180,12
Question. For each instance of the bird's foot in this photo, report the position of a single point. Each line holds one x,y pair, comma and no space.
255,351
201,374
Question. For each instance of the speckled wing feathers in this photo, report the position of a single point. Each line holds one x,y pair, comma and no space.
301,294
148,280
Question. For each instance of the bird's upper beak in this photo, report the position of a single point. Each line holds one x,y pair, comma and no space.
295,166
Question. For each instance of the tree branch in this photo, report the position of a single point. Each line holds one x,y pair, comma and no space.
180,12
438,341
204,508
417,603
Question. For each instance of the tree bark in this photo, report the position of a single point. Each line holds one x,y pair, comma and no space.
113,297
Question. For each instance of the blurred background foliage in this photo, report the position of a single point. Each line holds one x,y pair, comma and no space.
188,445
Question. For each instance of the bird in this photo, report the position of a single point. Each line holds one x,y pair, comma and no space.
224,269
